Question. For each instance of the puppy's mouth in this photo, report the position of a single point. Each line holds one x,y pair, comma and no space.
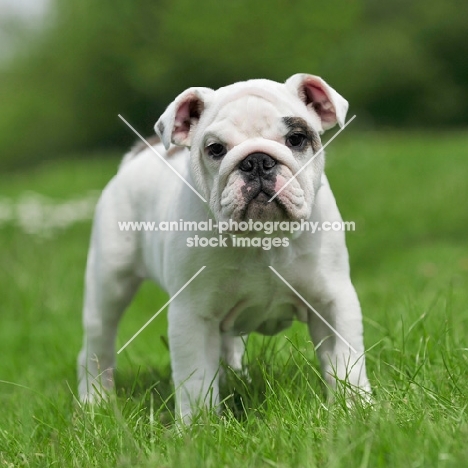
253,183
257,192
257,203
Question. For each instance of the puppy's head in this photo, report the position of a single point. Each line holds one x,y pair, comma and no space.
250,139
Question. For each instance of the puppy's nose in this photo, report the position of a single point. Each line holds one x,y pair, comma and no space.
258,164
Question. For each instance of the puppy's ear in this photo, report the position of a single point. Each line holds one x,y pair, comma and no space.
318,96
176,123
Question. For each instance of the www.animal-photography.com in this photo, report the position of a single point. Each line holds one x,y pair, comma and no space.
233,234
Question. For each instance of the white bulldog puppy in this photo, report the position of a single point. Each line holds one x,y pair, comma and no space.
238,146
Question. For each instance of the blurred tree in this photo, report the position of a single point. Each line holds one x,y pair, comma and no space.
406,66
398,62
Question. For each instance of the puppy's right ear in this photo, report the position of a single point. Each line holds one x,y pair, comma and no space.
177,122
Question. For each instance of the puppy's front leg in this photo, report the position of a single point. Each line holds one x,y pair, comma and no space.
341,357
195,346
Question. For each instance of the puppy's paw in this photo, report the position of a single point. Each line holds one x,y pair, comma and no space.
96,395
229,375
97,390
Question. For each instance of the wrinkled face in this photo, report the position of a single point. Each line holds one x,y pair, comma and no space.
254,145
249,147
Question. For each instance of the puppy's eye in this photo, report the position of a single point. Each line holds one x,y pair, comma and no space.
296,140
216,150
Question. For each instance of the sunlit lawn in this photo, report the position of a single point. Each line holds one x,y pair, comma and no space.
409,256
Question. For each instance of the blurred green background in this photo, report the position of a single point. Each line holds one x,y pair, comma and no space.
400,64
69,67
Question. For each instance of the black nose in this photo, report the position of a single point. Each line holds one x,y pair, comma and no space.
257,163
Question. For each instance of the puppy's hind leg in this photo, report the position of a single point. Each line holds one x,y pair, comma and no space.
232,351
110,284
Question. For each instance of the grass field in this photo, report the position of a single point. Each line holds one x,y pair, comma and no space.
409,256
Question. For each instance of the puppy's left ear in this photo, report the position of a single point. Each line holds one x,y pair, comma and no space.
177,122
318,96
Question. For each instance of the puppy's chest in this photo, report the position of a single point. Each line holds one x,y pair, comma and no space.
265,308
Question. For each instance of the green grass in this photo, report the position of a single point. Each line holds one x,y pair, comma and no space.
409,258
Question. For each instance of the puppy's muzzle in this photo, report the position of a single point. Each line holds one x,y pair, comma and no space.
258,165
259,171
